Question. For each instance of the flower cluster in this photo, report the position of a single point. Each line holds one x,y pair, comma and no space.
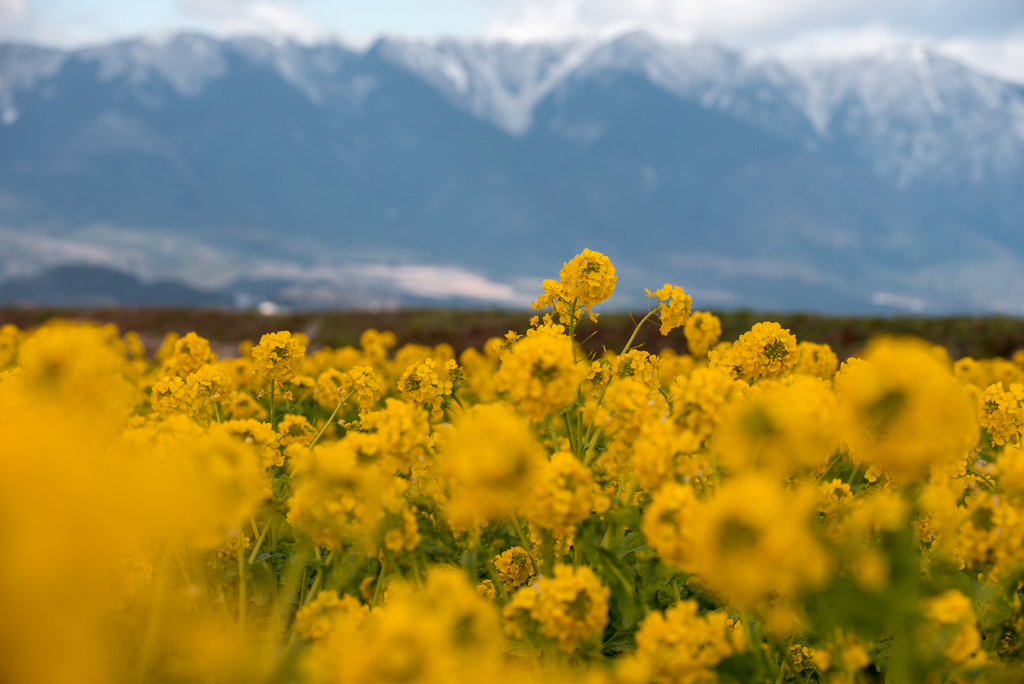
585,281
674,307
751,510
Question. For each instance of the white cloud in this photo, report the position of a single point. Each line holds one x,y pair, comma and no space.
1002,58
13,10
988,34
260,17
760,20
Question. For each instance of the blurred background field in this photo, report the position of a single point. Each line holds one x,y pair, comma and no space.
977,337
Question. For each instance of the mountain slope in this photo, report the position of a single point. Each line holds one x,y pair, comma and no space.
752,181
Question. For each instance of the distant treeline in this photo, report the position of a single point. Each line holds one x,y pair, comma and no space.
977,336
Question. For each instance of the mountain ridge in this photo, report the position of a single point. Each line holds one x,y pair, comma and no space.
764,182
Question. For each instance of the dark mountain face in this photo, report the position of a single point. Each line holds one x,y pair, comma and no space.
751,184
94,286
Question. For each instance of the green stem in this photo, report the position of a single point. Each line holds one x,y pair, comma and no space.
627,501
259,541
496,581
302,589
757,640
321,573
554,437
525,542
273,417
327,424
242,603
572,327
380,581
782,671
675,590
573,446
633,336
982,476
832,461
589,446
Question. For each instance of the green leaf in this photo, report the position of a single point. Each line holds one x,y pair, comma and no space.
520,649
623,640
741,668
632,543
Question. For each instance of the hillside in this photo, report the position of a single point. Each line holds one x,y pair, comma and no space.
329,173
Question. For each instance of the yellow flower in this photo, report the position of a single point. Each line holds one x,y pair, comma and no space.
768,351
260,435
314,621
681,647
569,607
561,495
903,410
662,452
629,405
781,428
444,632
337,500
540,376
1001,411
754,542
375,345
187,355
169,395
366,387
208,384
294,429
241,406
587,280
514,567
638,365
817,360
700,399
332,388
396,437
419,384
492,458
962,644
278,356
486,590
702,331
669,523
673,307
831,497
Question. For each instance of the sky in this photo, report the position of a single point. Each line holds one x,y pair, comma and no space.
988,34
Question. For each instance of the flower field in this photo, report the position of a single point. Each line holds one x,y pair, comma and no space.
532,510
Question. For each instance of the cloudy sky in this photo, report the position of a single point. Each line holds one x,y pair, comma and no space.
986,33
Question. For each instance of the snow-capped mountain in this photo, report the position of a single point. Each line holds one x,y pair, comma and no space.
766,182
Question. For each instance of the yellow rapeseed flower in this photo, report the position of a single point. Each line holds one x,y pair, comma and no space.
702,331
492,458
540,375
278,356
674,307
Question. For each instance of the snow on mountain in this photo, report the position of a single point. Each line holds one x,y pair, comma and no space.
499,82
909,113
777,181
186,61
914,113
20,67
